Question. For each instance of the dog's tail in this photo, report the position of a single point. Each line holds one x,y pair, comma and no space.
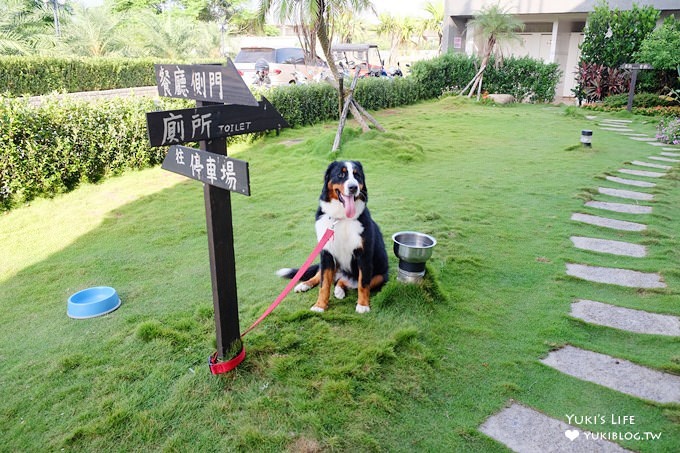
287,272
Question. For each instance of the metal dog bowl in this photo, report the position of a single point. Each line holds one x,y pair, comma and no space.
413,250
92,302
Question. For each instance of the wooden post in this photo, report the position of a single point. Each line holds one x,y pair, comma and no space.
634,68
345,111
222,258
631,91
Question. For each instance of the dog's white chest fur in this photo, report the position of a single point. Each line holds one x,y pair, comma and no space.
346,239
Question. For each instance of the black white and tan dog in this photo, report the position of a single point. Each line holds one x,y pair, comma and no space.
355,257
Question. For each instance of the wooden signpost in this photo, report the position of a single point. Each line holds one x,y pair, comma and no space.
634,68
210,123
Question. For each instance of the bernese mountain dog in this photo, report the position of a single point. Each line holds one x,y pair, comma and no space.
355,257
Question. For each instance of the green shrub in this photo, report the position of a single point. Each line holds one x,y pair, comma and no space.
451,70
613,36
524,78
639,100
51,149
42,75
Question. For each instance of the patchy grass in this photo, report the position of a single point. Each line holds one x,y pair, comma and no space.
495,186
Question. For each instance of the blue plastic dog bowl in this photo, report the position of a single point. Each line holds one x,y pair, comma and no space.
92,302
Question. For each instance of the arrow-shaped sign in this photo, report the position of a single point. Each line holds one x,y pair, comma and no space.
214,83
205,123
215,169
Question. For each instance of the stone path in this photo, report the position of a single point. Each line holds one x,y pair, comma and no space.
609,246
650,165
647,174
620,207
618,374
621,318
663,159
621,225
614,276
631,182
628,194
524,429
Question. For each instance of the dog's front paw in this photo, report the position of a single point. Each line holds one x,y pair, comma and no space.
363,308
301,288
317,309
339,292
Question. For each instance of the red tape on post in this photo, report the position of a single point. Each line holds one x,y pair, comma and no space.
224,367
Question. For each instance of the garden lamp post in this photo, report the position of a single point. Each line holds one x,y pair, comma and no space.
55,9
587,138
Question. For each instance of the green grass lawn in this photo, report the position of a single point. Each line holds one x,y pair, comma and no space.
495,185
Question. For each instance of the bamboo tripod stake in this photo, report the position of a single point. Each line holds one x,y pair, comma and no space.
357,111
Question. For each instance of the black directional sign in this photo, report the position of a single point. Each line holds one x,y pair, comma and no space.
212,83
214,169
206,123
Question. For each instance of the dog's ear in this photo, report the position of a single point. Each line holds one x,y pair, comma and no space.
364,189
326,180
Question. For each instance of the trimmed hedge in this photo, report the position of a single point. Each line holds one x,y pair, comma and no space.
303,105
50,149
524,78
36,76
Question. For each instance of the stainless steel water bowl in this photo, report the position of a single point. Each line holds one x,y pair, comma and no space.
413,249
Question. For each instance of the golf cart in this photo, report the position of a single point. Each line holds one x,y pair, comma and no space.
365,56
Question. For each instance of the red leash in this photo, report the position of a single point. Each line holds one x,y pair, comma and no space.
223,367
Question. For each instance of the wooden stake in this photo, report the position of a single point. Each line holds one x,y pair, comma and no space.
345,109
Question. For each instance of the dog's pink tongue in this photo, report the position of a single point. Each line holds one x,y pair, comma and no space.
350,209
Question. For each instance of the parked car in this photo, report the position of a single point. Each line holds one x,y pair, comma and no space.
286,65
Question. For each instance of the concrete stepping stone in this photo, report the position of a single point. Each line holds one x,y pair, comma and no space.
614,276
633,134
612,120
620,225
643,139
608,246
631,182
663,159
628,194
620,207
636,321
617,374
639,163
648,174
656,143
666,153
614,127
525,430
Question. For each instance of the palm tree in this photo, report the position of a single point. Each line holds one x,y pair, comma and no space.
434,21
95,32
388,26
20,27
319,15
496,25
